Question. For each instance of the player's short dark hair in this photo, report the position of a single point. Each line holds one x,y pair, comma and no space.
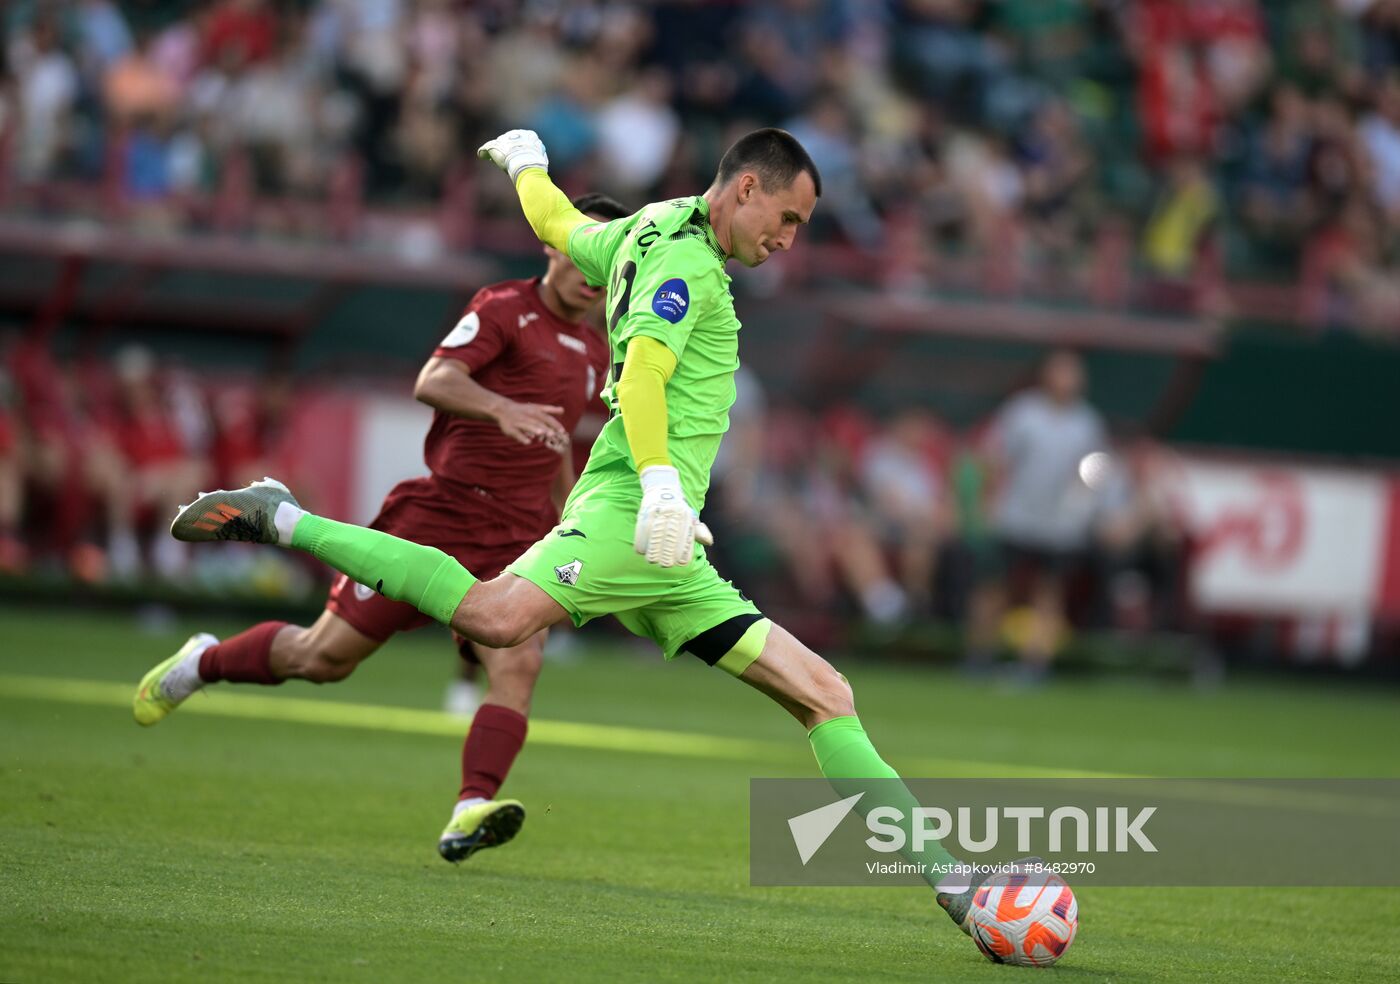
774,155
599,204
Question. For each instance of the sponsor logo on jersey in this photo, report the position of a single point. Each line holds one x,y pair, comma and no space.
570,342
671,300
568,574
526,318
465,331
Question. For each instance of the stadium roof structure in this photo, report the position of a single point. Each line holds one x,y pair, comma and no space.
236,299
100,280
1080,327
961,357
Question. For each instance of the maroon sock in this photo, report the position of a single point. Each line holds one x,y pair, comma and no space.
243,658
492,743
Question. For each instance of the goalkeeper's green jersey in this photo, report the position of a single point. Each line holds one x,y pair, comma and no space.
664,271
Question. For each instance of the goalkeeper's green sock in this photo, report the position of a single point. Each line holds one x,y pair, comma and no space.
846,757
425,577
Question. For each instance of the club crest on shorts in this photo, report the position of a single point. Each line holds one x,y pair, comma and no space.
363,591
568,574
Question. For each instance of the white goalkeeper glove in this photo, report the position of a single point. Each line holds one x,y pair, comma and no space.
514,151
667,527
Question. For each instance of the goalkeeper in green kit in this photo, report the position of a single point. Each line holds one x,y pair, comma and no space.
630,542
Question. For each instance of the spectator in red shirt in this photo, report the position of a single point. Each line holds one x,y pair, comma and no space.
74,468
1175,99
239,33
250,424
156,451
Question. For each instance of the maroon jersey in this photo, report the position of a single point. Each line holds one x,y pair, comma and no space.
516,347
488,497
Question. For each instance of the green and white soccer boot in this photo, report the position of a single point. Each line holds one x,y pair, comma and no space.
248,514
170,681
959,904
479,824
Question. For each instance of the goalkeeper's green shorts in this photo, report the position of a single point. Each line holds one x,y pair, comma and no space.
588,565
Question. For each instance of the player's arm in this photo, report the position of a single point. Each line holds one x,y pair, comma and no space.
548,210
667,527
521,154
446,384
589,243
641,400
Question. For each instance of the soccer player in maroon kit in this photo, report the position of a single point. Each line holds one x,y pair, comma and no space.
508,385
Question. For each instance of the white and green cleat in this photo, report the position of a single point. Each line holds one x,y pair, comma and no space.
170,682
489,823
248,514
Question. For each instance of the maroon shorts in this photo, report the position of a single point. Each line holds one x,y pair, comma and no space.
465,525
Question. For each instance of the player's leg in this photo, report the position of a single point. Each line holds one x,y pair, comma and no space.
498,728
479,820
266,654
327,652
500,613
740,641
355,623
821,700
811,689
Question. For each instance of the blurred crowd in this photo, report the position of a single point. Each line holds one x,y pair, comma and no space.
96,455
1027,525
1186,139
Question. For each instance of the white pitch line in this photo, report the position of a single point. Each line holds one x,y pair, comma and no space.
567,734
651,741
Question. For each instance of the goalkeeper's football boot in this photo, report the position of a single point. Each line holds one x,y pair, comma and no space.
958,905
248,514
169,683
487,824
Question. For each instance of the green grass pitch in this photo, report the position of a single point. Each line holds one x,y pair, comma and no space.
258,848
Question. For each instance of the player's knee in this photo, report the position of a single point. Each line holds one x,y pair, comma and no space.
498,628
325,665
493,629
830,695
484,618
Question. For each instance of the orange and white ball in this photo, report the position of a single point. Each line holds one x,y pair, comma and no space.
1025,919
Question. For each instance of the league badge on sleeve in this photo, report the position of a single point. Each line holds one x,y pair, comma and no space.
671,300
568,573
465,331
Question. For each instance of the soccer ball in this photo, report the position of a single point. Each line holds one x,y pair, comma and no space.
1027,920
